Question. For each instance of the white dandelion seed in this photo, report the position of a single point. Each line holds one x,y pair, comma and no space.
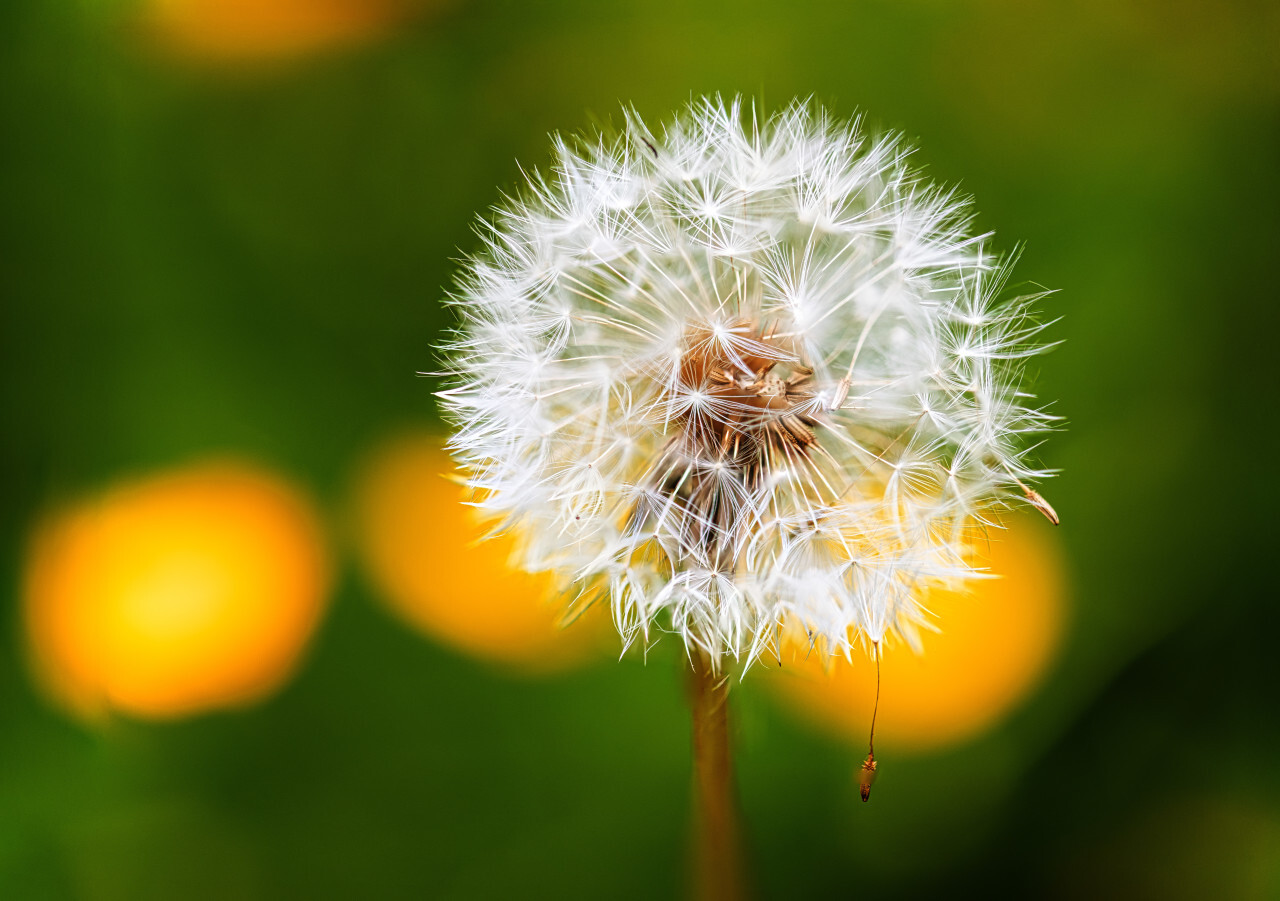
740,375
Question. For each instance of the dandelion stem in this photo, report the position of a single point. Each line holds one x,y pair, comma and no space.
717,862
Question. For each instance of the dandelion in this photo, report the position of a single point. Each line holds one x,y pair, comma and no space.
741,375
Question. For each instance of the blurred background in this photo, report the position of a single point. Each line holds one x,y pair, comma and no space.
236,664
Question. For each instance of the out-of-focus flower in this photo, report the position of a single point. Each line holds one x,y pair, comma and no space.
239,31
425,554
997,639
184,592
741,373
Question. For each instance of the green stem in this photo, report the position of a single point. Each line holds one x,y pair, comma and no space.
718,857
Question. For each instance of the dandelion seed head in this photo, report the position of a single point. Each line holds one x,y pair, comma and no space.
741,373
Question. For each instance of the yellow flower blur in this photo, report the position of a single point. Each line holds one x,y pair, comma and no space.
184,592
996,639
422,549
248,30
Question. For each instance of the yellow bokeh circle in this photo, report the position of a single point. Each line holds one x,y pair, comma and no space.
422,548
236,31
184,592
995,640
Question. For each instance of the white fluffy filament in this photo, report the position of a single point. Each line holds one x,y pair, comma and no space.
742,374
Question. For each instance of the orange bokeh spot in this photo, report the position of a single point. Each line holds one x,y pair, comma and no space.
244,30
188,591
996,639
422,547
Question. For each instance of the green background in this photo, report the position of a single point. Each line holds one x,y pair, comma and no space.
200,260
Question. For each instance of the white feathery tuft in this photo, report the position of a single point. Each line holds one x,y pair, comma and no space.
742,375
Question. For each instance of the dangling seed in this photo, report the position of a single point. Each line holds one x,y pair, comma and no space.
867,776
867,772
1038,501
